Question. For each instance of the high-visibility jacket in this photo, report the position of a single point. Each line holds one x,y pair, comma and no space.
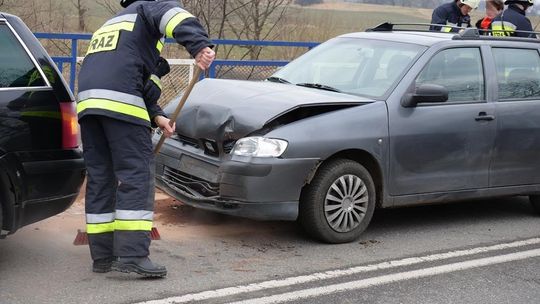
511,20
449,14
123,54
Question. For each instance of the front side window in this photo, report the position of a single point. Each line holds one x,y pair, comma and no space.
16,67
459,70
518,73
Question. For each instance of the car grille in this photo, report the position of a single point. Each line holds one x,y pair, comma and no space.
192,184
187,140
228,146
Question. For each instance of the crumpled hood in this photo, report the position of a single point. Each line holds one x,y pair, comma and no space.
230,109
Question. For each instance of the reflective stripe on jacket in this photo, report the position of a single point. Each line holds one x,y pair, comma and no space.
124,52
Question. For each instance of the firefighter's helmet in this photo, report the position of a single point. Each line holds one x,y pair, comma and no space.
126,3
471,3
525,2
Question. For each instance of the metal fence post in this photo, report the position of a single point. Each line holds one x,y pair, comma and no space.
73,70
212,71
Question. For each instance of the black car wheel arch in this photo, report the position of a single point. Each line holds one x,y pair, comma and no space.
1,217
352,194
7,200
535,201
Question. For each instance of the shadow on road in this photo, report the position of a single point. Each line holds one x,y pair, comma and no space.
471,213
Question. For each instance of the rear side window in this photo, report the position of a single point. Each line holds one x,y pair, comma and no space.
16,67
459,70
518,73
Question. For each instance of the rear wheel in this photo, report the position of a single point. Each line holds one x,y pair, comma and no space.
338,204
535,201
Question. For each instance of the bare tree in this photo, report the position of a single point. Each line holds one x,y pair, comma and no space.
257,20
81,11
111,6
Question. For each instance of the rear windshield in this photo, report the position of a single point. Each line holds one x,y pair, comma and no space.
16,67
356,66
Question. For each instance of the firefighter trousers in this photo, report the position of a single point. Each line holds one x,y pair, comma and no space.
119,186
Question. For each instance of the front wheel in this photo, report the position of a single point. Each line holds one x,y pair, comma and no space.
338,204
535,202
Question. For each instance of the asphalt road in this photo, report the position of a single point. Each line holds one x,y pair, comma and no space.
471,252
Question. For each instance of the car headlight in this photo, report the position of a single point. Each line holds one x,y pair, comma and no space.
259,147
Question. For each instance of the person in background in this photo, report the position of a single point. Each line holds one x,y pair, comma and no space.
513,20
454,14
493,8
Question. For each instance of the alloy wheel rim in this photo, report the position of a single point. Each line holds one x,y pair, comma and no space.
345,204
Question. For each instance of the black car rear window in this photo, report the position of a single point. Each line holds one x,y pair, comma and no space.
16,67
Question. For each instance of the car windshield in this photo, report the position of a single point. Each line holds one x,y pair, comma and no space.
350,65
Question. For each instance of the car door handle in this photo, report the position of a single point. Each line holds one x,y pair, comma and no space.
483,116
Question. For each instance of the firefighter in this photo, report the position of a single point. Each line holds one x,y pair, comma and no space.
493,8
512,20
454,14
116,108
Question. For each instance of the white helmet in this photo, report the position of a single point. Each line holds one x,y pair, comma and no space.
471,3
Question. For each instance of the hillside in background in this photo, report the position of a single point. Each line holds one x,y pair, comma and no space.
423,3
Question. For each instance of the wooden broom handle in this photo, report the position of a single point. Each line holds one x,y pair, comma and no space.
196,75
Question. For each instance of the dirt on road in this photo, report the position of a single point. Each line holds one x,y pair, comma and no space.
173,219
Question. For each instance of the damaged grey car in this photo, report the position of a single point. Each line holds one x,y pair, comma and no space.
366,120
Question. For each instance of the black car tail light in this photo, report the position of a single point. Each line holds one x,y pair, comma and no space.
70,126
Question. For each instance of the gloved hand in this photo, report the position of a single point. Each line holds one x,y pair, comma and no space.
162,68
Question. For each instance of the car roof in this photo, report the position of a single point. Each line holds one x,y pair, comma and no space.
421,38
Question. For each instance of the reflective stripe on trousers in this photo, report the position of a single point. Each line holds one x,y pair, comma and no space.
127,220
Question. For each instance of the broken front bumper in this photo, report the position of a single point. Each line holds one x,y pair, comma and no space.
257,188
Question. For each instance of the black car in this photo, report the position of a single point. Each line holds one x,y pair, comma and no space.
381,118
41,164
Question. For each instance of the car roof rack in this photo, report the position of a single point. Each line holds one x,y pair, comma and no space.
415,27
466,33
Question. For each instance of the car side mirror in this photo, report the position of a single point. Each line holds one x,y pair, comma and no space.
425,93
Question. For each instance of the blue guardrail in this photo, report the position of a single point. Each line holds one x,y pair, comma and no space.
75,38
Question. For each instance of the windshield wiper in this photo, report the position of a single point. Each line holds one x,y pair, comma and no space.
318,86
277,79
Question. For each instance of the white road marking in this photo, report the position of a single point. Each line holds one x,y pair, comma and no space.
229,291
392,278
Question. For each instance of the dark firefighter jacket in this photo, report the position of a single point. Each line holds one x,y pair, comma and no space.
511,20
124,52
449,14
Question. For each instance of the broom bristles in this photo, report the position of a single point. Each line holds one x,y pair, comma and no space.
82,237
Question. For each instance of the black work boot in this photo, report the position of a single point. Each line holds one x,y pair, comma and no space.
102,265
140,265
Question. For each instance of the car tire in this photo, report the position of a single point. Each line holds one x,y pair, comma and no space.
535,202
324,200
